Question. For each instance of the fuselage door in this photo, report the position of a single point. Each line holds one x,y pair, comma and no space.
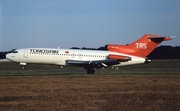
25,53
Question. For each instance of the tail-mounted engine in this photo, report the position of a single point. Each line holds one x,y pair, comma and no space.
119,57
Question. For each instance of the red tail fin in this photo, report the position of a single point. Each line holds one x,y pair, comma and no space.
142,47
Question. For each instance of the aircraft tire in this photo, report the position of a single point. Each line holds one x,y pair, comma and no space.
22,67
90,71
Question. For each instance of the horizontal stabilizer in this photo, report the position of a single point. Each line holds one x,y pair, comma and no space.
161,37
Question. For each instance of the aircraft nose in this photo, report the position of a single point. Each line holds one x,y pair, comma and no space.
9,56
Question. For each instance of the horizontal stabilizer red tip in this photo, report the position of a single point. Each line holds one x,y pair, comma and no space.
168,38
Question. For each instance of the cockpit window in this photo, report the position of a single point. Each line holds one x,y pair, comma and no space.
14,51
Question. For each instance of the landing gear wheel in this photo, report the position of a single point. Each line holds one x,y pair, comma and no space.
22,67
90,71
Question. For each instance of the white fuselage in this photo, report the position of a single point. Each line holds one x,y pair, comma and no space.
60,56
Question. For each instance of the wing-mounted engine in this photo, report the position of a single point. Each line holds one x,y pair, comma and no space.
119,58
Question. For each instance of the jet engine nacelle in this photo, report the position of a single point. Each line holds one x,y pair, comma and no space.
119,57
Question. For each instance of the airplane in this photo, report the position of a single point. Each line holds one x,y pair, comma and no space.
116,55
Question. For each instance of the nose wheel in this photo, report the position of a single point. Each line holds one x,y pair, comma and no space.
22,65
90,71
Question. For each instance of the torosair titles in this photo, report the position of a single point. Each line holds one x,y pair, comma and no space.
43,51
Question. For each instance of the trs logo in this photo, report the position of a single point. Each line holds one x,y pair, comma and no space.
141,45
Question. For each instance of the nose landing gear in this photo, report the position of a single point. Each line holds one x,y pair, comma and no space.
22,65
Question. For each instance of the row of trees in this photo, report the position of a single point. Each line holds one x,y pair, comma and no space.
162,52
165,52
3,54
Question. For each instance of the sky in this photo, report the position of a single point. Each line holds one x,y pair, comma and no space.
85,23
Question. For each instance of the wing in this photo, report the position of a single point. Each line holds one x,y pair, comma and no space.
96,63
112,60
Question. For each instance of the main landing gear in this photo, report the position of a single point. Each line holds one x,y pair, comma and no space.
90,71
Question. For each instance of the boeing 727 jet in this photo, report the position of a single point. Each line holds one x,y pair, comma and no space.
116,55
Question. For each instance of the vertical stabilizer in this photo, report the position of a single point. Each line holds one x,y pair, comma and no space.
142,47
